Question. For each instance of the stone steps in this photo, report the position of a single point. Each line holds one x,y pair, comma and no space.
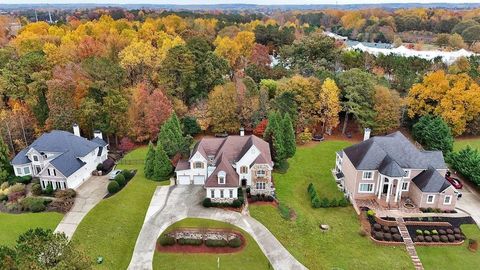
410,246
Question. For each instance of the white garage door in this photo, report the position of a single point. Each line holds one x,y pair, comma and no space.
198,180
183,180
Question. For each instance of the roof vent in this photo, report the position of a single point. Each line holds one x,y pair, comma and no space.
76,130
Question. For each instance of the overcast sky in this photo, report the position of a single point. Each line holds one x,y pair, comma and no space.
267,2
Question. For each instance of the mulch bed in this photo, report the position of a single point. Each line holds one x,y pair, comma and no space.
274,203
455,221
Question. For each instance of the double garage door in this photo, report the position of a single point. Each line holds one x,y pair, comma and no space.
185,180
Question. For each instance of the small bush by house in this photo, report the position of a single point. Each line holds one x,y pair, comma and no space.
113,187
36,189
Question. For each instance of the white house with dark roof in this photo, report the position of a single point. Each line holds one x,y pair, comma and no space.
222,165
61,158
389,168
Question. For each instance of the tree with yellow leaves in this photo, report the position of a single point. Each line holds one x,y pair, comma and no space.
329,105
222,108
454,97
228,49
387,109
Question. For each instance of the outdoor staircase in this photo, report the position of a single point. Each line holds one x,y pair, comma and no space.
412,252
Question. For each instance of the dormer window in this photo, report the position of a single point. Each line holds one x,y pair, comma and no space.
244,170
35,158
222,177
198,165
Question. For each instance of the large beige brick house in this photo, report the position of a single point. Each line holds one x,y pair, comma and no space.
391,168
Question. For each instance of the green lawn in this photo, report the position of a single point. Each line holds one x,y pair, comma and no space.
111,228
12,225
462,143
340,248
251,257
453,257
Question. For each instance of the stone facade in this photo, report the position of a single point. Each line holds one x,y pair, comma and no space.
261,183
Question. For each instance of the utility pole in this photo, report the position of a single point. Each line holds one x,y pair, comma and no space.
36,17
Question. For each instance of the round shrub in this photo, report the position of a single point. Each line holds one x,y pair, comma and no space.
270,199
444,238
449,231
434,232
216,243
428,238
19,187
420,238
397,237
166,240
379,236
451,238
25,179
458,236
426,232
393,230
207,202
36,189
100,167
377,227
113,187
190,242
419,232
37,206
3,198
237,204
120,179
435,238
235,242
128,175
442,232
386,229
387,237
457,231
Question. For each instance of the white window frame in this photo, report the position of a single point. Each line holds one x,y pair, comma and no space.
35,158
222,193
449,199
26,170
407,173
433,199
212,193
371,175
221,180
260,185
261,173
230,191
19,171
369,184
408,185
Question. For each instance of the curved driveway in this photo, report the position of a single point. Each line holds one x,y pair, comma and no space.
174,203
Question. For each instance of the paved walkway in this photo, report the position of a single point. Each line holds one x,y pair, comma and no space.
470,202
89,194
412,252
174,203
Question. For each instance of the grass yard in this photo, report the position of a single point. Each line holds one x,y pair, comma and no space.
453,257
12,225
462,143
111,228
251,257
340,248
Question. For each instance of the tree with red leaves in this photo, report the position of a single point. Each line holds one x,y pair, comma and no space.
260,128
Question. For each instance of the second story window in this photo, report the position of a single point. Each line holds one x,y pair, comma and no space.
35,158
367,175
198,165
244,170
261,173
221,177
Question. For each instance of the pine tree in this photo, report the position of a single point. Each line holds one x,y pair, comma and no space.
5,167
274,135
171,137
289,136
149,161
162,167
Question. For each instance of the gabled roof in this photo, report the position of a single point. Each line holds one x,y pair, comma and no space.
99,141
21,157
391,168
231,175
369,154
431,180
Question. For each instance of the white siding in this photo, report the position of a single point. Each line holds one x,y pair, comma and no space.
246,160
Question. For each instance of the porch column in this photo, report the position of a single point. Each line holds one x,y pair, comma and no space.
389,189
399,189
380,187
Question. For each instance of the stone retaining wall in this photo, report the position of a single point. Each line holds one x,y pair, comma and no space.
386,243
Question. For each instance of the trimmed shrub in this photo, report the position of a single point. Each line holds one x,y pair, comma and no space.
48,190
216,243
386,228
235,242
166,240
371,213
34,204
419,232
397,237
443,238
113,187
435,238
3,198
420,238
284,211
434,232
343,202
458,237
457,231
451,238
387,236
127,174
377,227
190,242
379,236
442,232
449,231
25,179
426,232
325,203
100,167
428,238
393,230
19,187
237,204
270,198
120,179
207,202
316,202
36,189
333,203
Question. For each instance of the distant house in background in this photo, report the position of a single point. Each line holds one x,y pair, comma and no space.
61,158
389,168
222,165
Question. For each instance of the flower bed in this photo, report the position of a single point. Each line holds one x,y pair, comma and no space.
201,241
435,234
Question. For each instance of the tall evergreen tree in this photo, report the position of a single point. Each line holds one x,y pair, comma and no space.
274,135
171,137
162,167
433,133
289,136
149,161
5,167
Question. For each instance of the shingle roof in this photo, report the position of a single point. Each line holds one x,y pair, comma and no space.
99,141
182,165
68,146
431,180
391,168
369,154
231,175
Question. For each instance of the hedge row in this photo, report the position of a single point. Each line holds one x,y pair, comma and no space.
324,202
120,181
166,240
207,202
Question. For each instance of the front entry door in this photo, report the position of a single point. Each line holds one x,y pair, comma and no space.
385,188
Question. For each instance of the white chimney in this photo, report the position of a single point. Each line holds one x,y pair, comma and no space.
97,134
242,131
76,130
366,134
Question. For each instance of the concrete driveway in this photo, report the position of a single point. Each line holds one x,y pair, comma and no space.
89,194
174,203
470,202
